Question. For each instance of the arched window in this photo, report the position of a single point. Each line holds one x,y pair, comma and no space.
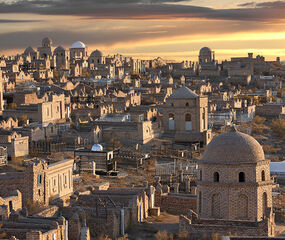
242,210
263,175
241,177
188,117
200,202
216,177
216,202
188,122
264,203
171,121
187,104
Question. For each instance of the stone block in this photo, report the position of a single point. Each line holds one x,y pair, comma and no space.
155,211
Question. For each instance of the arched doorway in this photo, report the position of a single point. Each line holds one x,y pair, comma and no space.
242,207
216,202
264,204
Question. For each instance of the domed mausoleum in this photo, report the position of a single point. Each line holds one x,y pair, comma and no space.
97,58
208,66
47,42
45,51
206,55
62,57
234,181
222,149
78,50
185,117
234,189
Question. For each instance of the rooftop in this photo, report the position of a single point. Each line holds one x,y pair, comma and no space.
182,93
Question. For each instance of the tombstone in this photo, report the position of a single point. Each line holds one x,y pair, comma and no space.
170,180
189,214
152,192
187,185
194,190
176,187
165,188
158,188
181,176
94,168
145,184
157,179
14,216
24,212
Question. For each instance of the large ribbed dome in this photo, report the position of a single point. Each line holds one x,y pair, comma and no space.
233,147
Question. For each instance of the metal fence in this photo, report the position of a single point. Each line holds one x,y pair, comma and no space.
188,168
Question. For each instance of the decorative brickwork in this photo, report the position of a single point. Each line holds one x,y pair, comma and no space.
234,189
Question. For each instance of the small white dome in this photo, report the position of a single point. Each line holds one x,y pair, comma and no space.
79,44
97,148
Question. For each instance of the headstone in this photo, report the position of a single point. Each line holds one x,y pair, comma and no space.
176,187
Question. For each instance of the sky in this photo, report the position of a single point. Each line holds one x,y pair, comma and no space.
171,29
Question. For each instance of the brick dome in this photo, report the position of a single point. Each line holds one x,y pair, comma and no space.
205,51
96,53
233,147
46,42
29,50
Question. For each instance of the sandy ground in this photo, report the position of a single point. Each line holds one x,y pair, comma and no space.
280,230
147,230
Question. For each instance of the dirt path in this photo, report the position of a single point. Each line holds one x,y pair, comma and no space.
147,230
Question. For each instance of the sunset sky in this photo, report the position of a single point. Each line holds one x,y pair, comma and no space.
172,29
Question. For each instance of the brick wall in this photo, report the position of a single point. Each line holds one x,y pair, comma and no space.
49,212
176,203
10,182
254,238
208,228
